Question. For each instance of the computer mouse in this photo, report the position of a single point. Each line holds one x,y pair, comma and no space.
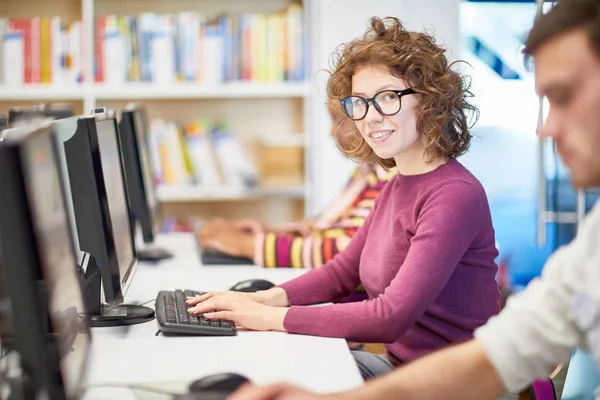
252,285
224,382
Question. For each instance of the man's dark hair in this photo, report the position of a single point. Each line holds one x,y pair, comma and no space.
566,15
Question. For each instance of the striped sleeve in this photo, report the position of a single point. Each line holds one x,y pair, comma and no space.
273,250
287,251
280,250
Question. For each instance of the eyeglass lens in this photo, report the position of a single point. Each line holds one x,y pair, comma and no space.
388,103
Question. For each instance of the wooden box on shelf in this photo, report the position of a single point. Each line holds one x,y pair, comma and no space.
281,165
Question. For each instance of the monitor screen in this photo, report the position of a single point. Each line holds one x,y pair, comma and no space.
66,305
140,128
112,170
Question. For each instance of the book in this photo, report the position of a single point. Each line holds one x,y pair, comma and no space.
204,154
190,47
13,60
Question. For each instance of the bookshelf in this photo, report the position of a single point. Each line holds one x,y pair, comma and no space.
193,193
253,109
147,91
40,93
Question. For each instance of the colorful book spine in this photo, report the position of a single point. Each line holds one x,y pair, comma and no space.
45,50
23,26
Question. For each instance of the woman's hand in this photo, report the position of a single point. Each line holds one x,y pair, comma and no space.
228,238
242,310
250,226
274,297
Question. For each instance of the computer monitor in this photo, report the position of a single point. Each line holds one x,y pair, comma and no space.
51,332
140,180
100,205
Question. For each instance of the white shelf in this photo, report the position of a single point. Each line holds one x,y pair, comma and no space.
40,92
153,91
149,91
192,193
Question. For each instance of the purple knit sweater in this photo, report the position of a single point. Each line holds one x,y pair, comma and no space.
425,256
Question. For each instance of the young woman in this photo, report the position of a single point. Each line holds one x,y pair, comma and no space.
425,254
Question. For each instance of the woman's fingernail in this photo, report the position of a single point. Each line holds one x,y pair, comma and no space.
192,309
208,315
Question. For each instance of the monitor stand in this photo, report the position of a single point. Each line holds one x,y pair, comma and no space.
153,254
121,314
102,314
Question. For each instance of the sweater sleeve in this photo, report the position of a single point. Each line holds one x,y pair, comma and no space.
445,229
557,312
334,280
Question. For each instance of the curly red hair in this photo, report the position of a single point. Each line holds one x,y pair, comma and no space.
443,112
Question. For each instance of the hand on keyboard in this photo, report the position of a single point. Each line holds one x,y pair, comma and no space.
241,309
172,316
193,300
274,297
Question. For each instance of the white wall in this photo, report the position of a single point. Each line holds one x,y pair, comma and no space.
331,23
440,17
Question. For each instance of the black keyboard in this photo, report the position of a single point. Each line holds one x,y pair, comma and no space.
172,316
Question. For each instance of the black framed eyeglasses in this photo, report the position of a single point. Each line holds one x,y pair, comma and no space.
387,102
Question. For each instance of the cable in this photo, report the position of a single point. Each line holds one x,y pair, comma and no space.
158,332
146,302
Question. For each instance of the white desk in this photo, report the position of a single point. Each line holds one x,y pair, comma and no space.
135,355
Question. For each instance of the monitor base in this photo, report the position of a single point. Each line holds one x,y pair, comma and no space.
122,314
153,254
